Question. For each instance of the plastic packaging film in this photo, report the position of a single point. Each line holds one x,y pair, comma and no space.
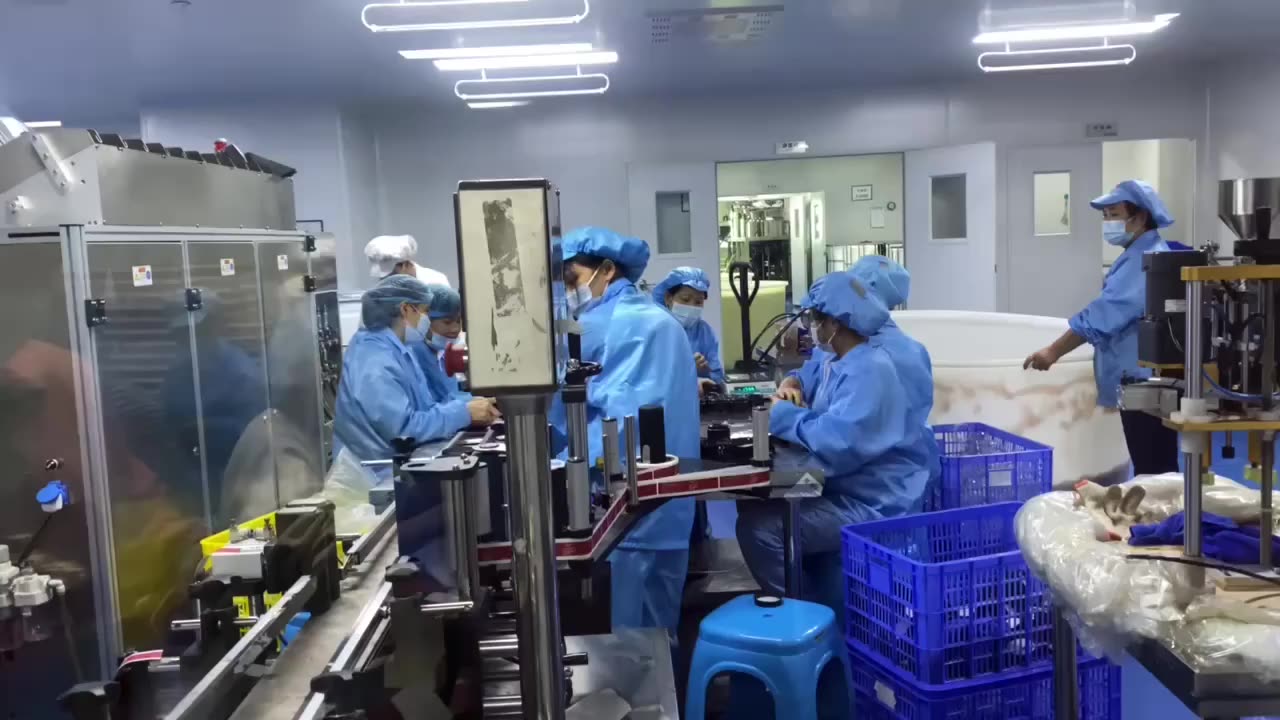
1112,600
984,381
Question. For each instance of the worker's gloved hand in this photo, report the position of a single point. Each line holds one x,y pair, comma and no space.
700,361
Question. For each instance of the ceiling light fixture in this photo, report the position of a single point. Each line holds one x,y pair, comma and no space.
516,94
1124,54
1074,32
496,51
528,61
465,24
497,104
44,124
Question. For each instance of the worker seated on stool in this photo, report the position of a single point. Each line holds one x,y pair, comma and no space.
855,421
683,293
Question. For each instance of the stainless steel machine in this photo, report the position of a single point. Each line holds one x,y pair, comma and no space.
170,353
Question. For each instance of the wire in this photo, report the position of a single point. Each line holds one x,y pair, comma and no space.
1209,564
767,325
1260,598
780,333
31,544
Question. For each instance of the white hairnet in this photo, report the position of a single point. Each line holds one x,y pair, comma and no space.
386,251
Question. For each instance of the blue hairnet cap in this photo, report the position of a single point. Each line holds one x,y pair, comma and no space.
850,301
445,302
890,281
681,276
1140,194
380,305
632,254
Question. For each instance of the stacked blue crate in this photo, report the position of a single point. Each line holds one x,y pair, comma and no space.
983,465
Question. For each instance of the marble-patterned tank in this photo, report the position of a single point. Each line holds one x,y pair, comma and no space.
978,377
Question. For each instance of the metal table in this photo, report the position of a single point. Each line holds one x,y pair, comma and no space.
636,664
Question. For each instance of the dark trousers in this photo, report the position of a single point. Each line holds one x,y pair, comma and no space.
1153,448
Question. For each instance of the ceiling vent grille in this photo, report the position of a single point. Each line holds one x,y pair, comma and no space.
742,24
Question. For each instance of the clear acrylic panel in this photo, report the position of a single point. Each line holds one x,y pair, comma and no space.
233,381
151,431
1052,203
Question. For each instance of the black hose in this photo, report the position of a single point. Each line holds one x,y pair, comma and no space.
1209,564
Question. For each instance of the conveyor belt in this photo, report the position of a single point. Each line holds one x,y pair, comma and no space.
279,695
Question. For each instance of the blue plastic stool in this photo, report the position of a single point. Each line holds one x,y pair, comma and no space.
785,644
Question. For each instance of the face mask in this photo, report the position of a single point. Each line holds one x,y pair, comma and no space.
580,298
438,342
1114,233
688,315
824,345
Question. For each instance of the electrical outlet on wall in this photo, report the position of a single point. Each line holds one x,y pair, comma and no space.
1100,130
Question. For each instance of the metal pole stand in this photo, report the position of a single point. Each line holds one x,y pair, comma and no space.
541,654
1066,681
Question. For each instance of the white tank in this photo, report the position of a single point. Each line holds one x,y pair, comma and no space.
978,377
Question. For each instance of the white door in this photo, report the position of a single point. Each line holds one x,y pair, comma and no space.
673,208
1054,255
951,227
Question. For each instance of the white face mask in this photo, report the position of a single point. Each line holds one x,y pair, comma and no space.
580,297
688,315
824,345
1113,231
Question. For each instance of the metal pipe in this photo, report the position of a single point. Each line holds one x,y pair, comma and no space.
456,514
609,431
447,609
534,562
503,706
578,494
760,435
576,415
1193,445
191,624
1066,682
1266,517
1267,307
505,646
633,482
371,540
791,552
196,704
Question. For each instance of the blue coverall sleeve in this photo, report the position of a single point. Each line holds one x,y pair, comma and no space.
1120,305
709,346
809,374
388,405
866,419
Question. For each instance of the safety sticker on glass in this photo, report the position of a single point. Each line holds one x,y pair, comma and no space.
142,276
282,262
228,266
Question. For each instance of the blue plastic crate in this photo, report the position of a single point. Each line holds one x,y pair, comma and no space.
945,597
983,465
880,695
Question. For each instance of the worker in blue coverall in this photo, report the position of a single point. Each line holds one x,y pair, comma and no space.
855,421
684,293
445,326
646,360
383,393
1132,215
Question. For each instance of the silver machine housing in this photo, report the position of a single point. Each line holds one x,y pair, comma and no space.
171,337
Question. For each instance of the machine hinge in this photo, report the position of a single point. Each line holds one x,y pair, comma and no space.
309,283
195,300
309,244
95,312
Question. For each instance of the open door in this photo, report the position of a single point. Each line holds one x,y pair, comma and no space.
951,227
673,208
1054,254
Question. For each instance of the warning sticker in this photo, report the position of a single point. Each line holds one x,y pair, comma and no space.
228,267
142,276
282,262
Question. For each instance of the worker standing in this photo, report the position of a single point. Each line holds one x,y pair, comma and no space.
393,255
1132,215
856,423
646,360
684,293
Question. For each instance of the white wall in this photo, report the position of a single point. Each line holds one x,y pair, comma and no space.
848,222
584,145
1242,137
1169,166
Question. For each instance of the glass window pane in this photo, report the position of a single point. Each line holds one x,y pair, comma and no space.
1052,204
675,233
948,209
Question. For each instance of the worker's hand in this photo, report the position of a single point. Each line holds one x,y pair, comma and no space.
701,362
484,411
789,393
705,385
1042,359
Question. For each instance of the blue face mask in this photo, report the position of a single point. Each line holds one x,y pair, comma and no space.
438,342
1114,233
688,315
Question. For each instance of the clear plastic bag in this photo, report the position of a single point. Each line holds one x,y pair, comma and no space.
347,486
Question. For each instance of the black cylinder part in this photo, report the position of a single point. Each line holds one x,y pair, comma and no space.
653,433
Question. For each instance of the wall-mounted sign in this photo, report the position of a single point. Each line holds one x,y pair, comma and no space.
791,147
860,192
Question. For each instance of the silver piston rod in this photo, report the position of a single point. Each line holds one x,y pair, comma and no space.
577,470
